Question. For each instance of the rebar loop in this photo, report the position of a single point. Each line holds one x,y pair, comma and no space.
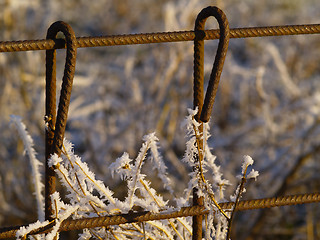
77,224
55,126
161,37
204,109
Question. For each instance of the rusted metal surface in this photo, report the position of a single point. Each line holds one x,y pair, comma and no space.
56,125
197,219
78,224
162,37
204,108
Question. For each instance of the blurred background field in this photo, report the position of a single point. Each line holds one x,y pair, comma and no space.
268,101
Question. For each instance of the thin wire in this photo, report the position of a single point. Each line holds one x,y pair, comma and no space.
145,38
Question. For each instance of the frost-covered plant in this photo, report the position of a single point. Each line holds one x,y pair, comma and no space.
89,197
35,163
200,158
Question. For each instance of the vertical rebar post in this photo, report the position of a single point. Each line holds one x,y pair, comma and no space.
55,126
205,106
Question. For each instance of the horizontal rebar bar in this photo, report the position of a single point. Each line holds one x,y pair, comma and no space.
78,224
145,38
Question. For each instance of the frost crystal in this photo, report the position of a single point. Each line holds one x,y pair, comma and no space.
247,161
33,226
253,174
54,160
121,166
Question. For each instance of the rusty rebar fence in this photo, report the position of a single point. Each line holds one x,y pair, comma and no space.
56,124
161,37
